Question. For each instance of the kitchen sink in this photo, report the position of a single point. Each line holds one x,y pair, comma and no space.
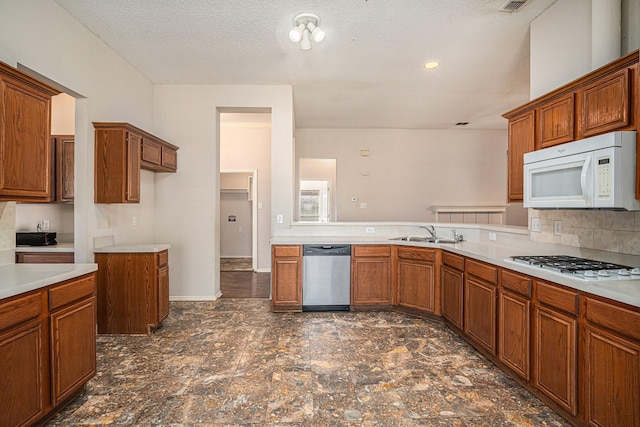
425,239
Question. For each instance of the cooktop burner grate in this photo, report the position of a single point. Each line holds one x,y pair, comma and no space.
568,264
579,268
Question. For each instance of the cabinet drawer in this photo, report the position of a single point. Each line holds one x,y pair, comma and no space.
621,320
286,251
372,250
557,297
453,260
517,283
45,258
163,258
485,272
19,310
71,291
416,253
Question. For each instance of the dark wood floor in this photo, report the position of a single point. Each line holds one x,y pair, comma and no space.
244,284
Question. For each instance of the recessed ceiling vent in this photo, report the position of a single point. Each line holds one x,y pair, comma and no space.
513,5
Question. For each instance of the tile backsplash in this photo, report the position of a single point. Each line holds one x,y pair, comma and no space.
610,231
7,232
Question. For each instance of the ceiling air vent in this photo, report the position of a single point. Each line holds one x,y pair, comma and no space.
513,5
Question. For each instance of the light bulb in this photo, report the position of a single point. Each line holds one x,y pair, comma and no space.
317,33
295,35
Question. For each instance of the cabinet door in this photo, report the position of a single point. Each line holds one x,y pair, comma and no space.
606,104
133,167
286,278
25,144
64,146
555,356
22,381
613,380
415,285
521,140
73,342
555,122
163,293
370,281
480,313
451,290
514,332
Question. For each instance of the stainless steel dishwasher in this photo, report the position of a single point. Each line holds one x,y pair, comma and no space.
326,277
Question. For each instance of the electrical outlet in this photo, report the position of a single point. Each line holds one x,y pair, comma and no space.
107,222
492,236
363,205
535,225
44,225
134,220
370,230
279,218
557,228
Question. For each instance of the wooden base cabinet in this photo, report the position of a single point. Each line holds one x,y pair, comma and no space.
133,291
451,288
612,365
480,294
370,277
514,322
555,344
44,257
286,277
47,349
415,281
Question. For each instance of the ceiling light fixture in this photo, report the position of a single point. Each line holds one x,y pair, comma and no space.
430,65
306,28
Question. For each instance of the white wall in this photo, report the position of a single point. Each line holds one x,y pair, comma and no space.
43,37
409,171
187,215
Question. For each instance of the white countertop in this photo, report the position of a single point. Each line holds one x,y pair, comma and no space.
134,248
19,278
60,247
625,291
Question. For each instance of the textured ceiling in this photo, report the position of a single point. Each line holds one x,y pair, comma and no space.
367,73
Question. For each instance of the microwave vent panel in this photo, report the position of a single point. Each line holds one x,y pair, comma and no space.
513,5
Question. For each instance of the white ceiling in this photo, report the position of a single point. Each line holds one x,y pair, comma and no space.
367,73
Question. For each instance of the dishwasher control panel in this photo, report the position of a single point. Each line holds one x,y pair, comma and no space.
326,250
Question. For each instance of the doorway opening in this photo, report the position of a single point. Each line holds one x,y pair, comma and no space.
244,223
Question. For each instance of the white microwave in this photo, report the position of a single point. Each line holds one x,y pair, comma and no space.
591,173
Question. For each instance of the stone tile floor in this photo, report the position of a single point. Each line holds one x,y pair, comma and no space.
232,362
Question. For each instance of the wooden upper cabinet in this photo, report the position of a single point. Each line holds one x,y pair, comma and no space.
117,164
121,151
521,140
64,169
556,122
158,155
605,104
25,137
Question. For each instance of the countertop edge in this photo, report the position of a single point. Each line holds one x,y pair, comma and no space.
16,279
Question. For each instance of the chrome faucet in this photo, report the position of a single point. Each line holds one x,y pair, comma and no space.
457,237
431,229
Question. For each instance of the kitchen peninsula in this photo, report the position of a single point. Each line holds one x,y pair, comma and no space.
562,338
